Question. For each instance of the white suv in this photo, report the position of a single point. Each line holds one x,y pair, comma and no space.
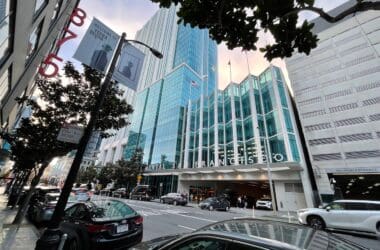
347,215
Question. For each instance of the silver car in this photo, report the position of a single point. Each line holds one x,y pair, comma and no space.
359,216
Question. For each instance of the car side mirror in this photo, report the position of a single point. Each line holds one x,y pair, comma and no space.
328,208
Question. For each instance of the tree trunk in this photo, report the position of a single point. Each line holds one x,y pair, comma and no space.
24,206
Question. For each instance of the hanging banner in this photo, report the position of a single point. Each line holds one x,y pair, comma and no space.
97,46
128,69
96,50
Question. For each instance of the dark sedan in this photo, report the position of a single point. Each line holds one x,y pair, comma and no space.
174,198
244,234
102,224
215,203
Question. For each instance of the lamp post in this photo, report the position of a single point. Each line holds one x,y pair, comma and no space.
51,237
269,173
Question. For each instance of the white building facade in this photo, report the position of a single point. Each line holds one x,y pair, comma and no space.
337,93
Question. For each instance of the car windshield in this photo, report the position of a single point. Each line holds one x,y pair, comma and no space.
105,210
210,199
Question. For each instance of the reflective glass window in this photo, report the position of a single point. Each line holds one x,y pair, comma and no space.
229,134
227,111
277,147
237,108
294,148
221,135
230,153
246,105
273,123
281,90
248,129
269,99
288,120
259,108
5,42
239,130
33,41
5,84
40,4
211,136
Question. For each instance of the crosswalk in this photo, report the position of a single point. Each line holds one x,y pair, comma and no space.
149,212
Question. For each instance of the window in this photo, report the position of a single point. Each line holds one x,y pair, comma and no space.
57,8
336,206
40,4
6,28
33,41
211,244
355,206
5,83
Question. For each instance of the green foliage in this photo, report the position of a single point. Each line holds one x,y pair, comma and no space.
87,174
237,22
123,173
35,140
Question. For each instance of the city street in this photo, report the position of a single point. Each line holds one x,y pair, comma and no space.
164,219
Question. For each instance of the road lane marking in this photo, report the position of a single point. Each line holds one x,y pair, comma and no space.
192,229
178,214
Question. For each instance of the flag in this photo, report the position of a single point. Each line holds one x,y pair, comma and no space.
194,84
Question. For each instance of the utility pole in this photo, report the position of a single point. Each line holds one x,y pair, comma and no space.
51,237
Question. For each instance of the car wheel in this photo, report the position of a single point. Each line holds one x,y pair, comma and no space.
175,203
316,222
227,208
210,208
73,245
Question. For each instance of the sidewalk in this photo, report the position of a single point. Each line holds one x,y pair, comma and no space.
12,237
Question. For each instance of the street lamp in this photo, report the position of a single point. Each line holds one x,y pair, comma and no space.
51,237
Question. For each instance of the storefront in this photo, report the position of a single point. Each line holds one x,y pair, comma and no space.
235,181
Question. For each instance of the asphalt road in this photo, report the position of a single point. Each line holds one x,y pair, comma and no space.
163,219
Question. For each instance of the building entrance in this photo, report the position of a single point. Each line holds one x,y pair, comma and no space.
357,187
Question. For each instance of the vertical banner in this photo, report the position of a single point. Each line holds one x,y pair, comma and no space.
96,49
129,66
97,46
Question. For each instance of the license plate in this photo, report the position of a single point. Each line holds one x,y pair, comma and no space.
122,228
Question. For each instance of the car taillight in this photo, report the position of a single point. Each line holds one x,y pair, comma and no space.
92,228
139,220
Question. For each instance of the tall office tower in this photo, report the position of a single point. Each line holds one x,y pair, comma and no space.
337,91
185,52
29,31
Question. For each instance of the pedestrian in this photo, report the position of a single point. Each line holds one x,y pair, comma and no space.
245,200
239,202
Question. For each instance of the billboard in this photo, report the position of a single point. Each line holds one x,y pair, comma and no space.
96,50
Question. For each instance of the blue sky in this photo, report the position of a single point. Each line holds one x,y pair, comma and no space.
130,15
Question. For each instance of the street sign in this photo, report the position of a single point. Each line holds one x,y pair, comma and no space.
70,133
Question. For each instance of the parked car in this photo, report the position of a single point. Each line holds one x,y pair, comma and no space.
142,192
174,198
81,194
217,203
102,224
361,216
264,203
245,234
120,193
41,210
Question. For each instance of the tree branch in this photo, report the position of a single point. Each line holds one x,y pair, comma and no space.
359,7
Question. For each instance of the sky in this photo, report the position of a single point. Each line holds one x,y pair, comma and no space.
130,15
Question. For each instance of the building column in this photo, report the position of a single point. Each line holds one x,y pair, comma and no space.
234,129
255,122
200,133
281,114
187,137
216,129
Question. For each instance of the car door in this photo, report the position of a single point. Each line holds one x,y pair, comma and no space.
335,216
358,214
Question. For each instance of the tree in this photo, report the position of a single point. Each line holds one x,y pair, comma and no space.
237,22
86,175
34,144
